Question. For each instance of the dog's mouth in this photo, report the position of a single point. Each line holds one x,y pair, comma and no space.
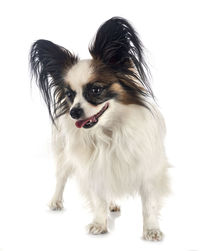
91,121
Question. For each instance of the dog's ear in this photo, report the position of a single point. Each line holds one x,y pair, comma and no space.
116,43
118,46
48,63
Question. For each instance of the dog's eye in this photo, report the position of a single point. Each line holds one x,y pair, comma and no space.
69,94
96,90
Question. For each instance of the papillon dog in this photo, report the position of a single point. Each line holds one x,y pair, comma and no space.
107,130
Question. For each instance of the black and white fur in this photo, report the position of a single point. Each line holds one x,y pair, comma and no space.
107,130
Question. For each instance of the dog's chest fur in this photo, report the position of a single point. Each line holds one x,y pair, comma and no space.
102,165
111,162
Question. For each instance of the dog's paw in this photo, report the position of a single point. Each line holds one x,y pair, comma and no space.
114,208
96,228
56,205
153,235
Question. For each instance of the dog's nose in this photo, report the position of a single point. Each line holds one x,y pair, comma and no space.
76,113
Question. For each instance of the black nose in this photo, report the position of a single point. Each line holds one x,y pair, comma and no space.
76,113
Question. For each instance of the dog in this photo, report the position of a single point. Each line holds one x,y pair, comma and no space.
107,129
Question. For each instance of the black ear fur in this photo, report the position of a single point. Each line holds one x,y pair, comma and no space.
48,63
118,46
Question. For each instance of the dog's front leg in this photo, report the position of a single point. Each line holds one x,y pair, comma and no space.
56,202
100,211
151,200
63,171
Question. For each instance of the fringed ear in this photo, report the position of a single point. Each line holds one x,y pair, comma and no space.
117,45
48,63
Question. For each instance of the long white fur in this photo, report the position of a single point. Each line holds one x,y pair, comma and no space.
122,155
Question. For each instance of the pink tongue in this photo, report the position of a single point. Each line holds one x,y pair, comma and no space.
81,123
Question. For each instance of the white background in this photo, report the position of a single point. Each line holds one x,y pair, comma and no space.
170,32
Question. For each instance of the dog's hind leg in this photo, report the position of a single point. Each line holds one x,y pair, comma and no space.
114,207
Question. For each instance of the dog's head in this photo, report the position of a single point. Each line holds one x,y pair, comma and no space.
87,89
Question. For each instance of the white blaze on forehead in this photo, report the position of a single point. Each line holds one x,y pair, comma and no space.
79,74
